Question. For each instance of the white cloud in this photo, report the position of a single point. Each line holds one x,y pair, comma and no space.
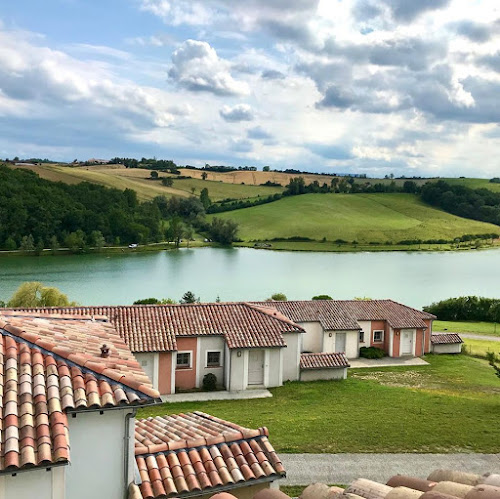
197,67
240,112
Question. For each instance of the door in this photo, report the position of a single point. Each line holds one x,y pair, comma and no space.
406,342
256,367
339,342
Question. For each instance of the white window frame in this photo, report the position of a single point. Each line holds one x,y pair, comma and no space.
184,367
361,336
381,331
220,364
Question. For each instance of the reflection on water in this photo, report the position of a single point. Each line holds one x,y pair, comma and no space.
247,274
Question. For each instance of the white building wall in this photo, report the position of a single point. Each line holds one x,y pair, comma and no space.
98,450
291,356
150,363
274,367
39,484
351,343
210,344
366,327
312,340
323,374
238,377
447,348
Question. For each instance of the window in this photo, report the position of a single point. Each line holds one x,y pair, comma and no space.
361,336
183,360
378,336
214,359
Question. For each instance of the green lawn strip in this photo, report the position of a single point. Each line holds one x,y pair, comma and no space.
454,406
486,328
363,218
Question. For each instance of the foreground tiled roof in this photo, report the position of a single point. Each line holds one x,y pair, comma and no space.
186,453
446,338
153,328
345,314
43,375
323,361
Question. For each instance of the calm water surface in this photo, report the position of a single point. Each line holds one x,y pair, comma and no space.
246,274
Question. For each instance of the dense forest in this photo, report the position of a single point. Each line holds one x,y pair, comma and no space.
37,213
477,204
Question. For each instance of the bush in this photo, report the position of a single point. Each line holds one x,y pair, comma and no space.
371,353
209,382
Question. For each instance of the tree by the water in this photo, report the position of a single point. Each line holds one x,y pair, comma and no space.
35,294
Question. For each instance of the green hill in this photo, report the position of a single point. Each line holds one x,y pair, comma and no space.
352,217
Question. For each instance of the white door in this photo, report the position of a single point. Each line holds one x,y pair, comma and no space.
339,342
256,367
406,342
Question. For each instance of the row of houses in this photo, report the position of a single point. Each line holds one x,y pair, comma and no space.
258,344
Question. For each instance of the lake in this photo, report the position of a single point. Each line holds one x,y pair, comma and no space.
414,278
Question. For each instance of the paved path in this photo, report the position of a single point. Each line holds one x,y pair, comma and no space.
303,469
387,362
222,395
479,337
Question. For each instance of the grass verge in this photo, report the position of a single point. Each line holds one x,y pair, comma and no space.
451,405
486,328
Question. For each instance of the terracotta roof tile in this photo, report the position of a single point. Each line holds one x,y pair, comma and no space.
39,386
323,361
153,328
445,338
192,467
345,314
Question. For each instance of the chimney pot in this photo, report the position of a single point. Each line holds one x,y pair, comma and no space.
105,351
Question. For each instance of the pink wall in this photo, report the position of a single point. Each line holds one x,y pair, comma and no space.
185,378
165,373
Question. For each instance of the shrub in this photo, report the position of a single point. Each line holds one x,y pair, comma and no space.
371,353
209,382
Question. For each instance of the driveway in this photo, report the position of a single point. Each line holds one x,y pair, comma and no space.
387,362
479,337
303,469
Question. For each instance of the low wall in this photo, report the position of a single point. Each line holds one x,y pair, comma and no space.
318,374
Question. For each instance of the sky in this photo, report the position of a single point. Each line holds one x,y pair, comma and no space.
341,86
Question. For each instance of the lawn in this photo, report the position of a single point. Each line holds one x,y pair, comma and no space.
486,328
452,405
481,347
352,217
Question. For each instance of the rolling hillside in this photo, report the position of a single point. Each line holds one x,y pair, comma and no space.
352,217
139,180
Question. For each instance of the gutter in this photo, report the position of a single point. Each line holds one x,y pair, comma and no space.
126,447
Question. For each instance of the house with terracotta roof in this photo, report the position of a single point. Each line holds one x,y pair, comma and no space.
446,343
243,345
344,326
197,455
69,390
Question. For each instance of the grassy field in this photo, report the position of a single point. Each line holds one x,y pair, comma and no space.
358,217
487,328
480,348
139,180
452,405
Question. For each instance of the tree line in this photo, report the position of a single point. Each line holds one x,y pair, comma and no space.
466,308
36,213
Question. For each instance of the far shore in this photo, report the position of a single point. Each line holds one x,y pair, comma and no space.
285,245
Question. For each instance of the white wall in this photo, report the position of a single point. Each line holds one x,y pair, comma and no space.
274,367
291,356
351,343
312,340
39,484
447,348
97,455
365,326
238,377
150,363
204,345
318,374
